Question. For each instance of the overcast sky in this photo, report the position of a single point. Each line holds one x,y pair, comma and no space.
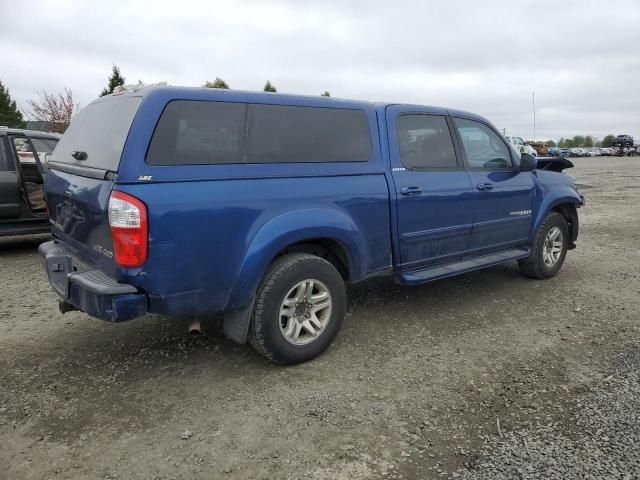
582,58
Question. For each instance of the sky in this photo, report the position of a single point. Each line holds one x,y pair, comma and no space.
581,58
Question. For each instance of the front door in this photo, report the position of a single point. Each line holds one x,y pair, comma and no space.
502,195
9,183
433,190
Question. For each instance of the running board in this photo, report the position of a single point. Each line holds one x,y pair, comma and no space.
462,266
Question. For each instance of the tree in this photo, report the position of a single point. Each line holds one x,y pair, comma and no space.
268,87
10,116
217,83
551,143
325,94
588,141
115,80
56,110
566,143
608,140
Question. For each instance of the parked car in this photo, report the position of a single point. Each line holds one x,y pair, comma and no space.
576,152
608,151
184,202
559,152
22,172
521,146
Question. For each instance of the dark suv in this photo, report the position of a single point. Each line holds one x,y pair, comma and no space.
624,141
23,159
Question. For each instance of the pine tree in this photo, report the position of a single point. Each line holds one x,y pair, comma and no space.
268,87
10,116
115,80
217,83
325,94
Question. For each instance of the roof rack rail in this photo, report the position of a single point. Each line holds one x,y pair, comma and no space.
135,87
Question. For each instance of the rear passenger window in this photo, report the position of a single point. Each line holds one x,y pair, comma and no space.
197,133
286,134
425,142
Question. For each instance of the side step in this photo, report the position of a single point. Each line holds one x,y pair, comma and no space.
462,266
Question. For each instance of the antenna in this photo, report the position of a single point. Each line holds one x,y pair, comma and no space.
533,100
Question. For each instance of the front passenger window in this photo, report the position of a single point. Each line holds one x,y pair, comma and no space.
483,147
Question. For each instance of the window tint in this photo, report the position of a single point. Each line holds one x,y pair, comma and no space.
5,156
286,134
100,129
483,147
196,133
425,142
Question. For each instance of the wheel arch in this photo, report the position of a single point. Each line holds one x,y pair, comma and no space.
565,203
570,213
328,232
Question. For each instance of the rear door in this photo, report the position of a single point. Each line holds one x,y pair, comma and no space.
502,195
433,190
82,170
9,183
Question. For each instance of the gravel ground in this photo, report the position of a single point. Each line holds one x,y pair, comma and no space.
487,375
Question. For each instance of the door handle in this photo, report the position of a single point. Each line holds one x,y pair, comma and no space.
410,190
484,186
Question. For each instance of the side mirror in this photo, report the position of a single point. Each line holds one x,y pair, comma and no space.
528,162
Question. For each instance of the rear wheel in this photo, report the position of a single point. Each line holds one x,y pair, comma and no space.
299,309
549,248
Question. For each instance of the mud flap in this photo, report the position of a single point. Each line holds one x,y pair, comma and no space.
236,323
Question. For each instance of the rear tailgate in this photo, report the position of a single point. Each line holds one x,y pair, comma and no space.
83,167
78,212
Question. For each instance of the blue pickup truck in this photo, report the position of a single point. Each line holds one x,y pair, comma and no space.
187,201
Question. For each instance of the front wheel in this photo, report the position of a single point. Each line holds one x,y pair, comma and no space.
299,309
549,248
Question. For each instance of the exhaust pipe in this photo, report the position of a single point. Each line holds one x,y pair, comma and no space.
194,327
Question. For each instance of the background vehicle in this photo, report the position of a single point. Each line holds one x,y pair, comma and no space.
263,205
541,148
22,172
624,141
521,145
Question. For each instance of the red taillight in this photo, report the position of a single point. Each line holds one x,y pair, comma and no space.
129,229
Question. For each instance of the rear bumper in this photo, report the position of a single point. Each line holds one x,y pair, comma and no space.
89,289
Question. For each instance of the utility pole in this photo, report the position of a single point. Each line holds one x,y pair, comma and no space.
533,99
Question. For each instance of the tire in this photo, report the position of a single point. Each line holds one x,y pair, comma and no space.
290,300
539,264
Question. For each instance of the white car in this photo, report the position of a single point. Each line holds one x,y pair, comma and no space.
521,146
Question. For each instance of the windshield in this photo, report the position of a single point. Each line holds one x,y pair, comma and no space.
100,130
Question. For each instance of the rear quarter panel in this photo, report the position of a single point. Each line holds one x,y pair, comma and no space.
210,242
